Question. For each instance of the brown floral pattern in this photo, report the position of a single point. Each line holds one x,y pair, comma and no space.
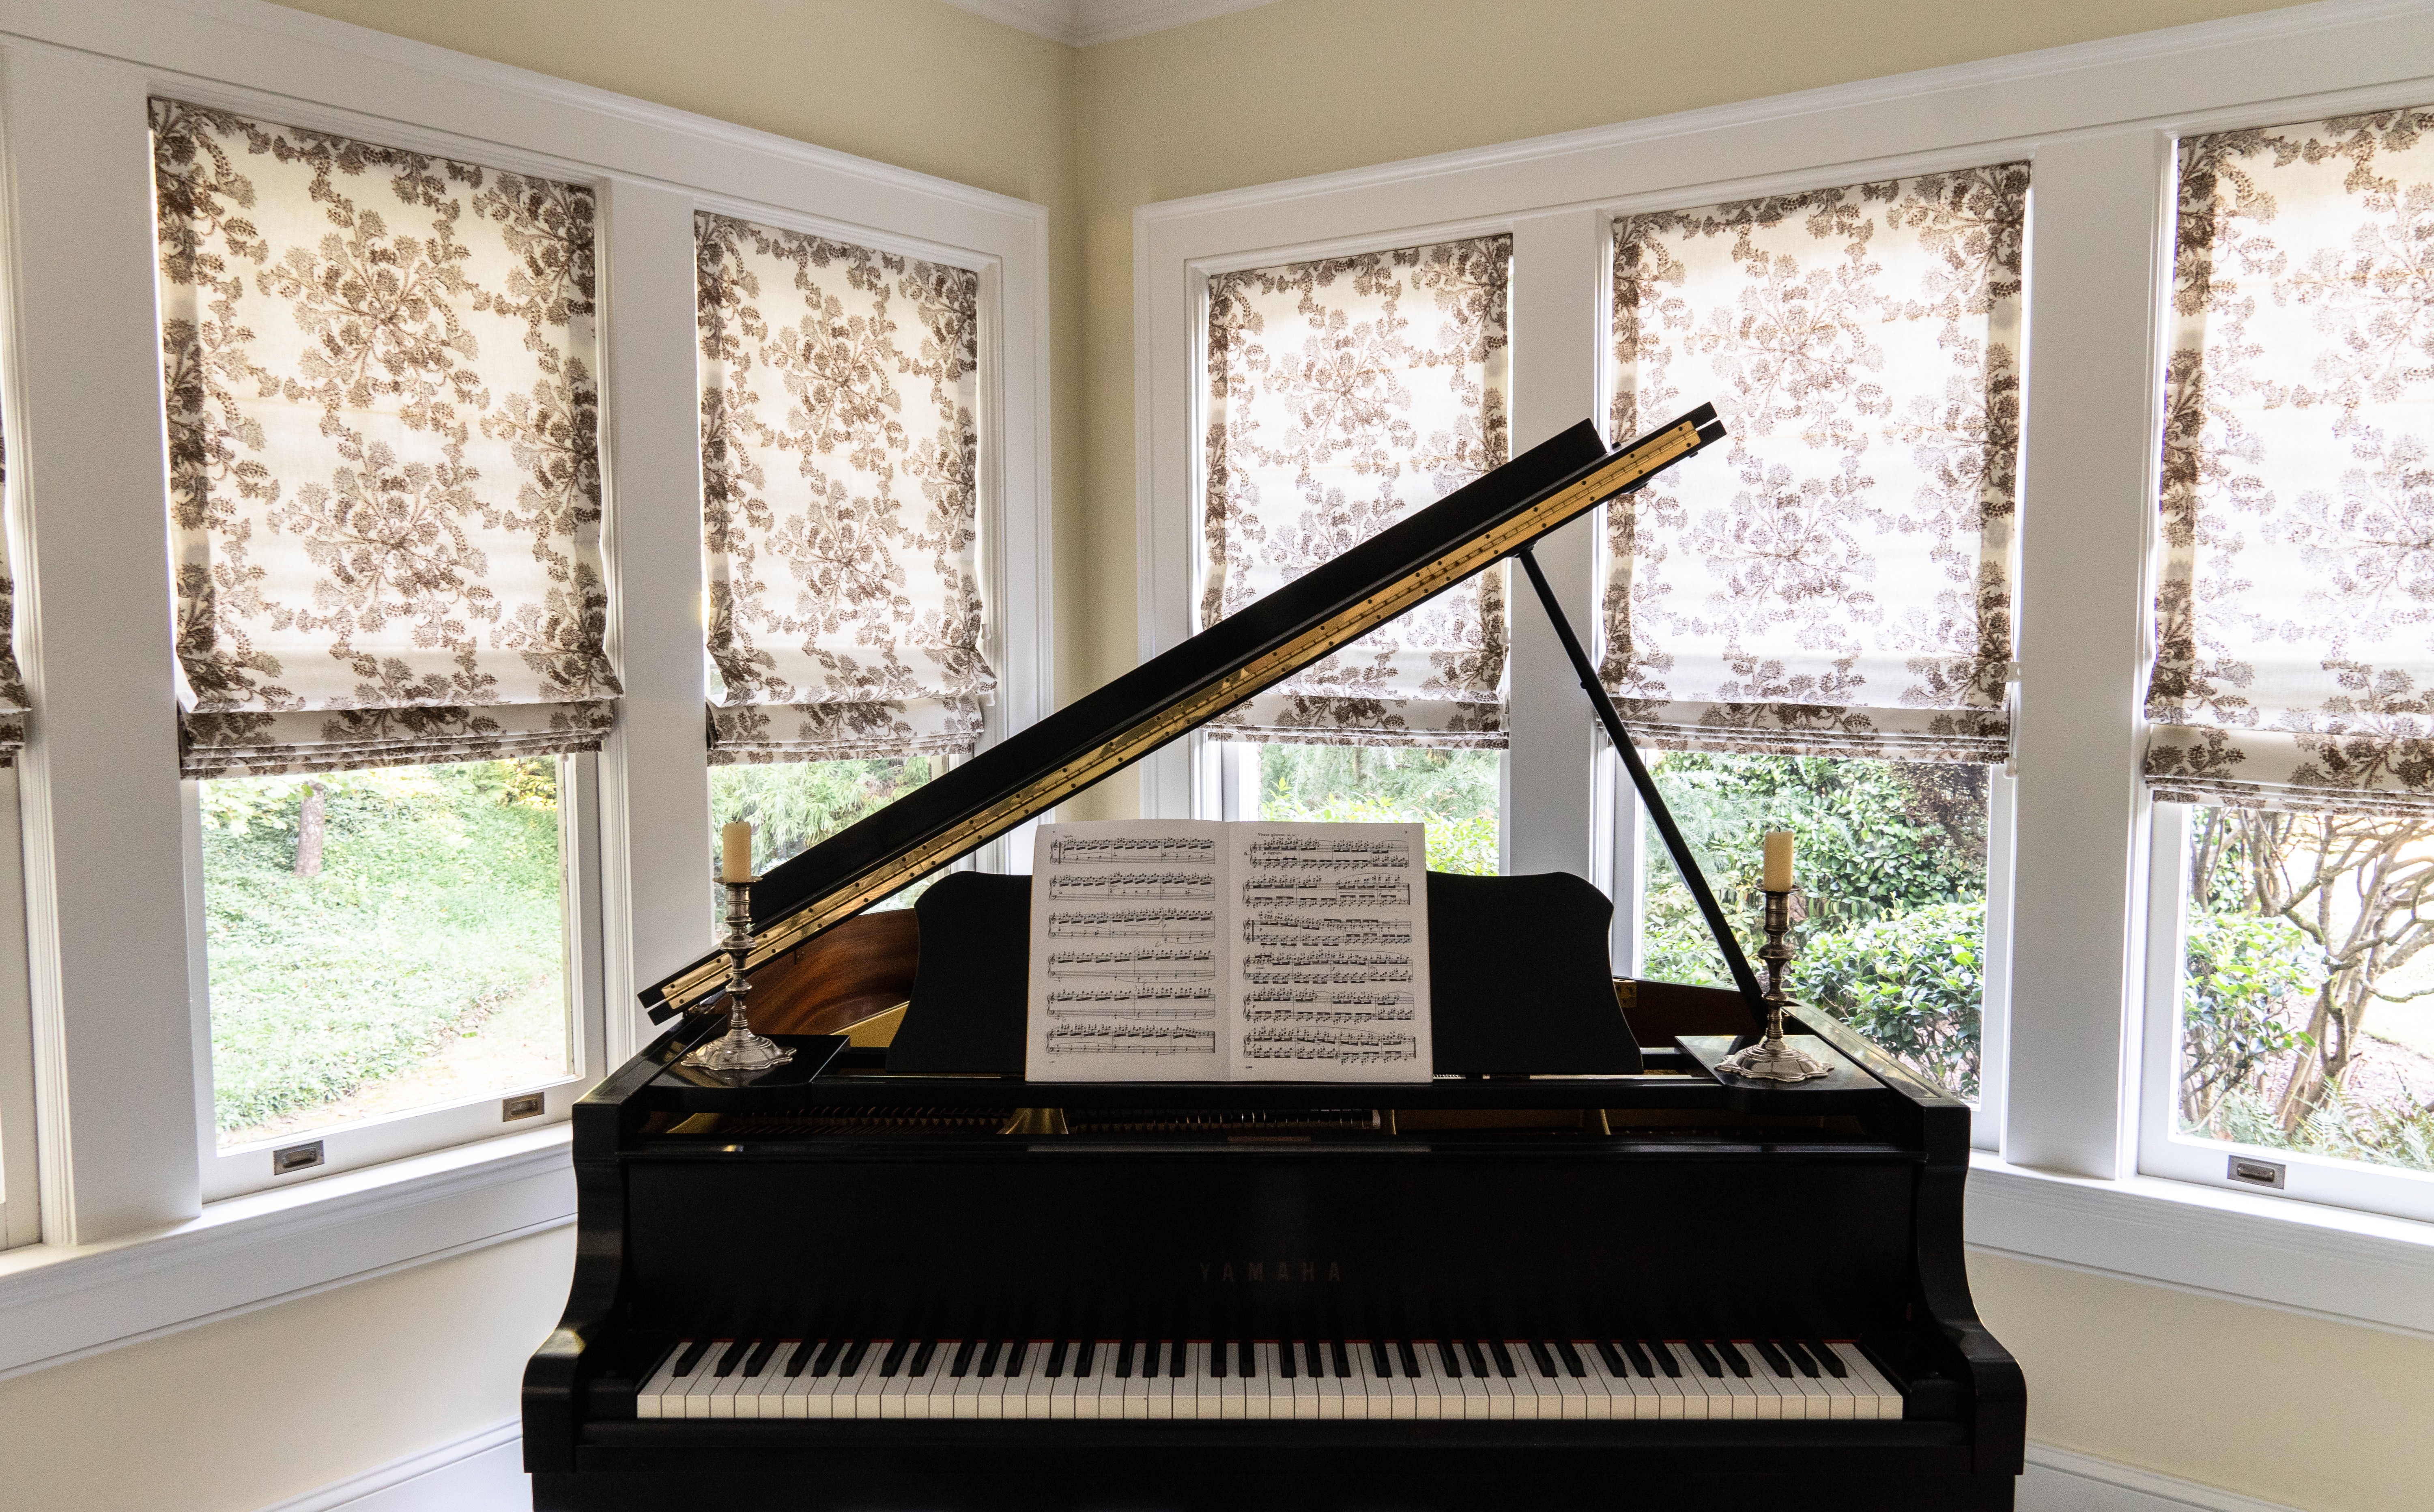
384,476
839,497
1839,581
1343,394
2294,604
14,702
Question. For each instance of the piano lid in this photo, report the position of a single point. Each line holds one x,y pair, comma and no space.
1102,734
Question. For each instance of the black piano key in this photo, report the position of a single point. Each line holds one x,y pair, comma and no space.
1572,1358
893,1360
1152,1353
1178,1361
1055,1370
1775,1360
963,1359
1666,1362
1732,1358
1801,1357
1246,1360
1285,1365
1377,1365
1082,1355
759,1358
691,1356
1450,1357
1478,1361
1411,1361
851,1360
1832,1361
1545,1362
1614,1362
1017,1351
1707,1360
1313,1359
730,1357
919,1365
1124,1359
1504,1359
989,1359
1343,1361
1218,1349
816,1357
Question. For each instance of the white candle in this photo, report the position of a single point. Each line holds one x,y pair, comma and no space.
1778,861
736,840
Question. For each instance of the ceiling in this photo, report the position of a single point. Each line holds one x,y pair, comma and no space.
1087,23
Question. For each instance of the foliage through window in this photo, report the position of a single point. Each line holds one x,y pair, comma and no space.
795,805
2307,994
383,941
1455,793
1892,874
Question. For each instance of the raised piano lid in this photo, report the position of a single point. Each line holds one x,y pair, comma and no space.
1101,734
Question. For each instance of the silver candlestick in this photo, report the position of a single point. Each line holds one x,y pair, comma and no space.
738,1049
1770,1058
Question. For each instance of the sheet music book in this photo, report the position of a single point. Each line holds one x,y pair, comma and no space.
1199,950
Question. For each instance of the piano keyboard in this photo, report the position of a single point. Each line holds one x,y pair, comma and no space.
1268,1378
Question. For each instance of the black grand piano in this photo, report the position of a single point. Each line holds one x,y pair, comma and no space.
1582,1266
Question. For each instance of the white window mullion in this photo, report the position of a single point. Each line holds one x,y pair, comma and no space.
2096,230
1994,960
655,766
105,897
1551,769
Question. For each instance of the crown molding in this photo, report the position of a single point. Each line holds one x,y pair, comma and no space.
1088,23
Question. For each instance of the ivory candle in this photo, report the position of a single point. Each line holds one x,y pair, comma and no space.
736,841
1778,861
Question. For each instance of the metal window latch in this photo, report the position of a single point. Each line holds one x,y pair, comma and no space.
527,1106
293,1157
2251,1172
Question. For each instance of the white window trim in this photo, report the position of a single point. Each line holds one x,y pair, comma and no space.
2098,120
130,1247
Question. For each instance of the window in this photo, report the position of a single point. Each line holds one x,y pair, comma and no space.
1455,794
2289,1040
795,805
386,510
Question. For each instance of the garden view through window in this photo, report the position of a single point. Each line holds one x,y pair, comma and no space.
795,805
1455,793
382,940
1892,874
2307,1012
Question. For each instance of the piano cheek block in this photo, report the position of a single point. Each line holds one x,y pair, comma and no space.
1435,1259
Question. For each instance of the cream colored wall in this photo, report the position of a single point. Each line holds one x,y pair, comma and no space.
250,1410
2288,1409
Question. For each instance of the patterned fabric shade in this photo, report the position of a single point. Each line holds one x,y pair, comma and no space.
385,484
839,459
13,701
1839,581
2294,607
1343,394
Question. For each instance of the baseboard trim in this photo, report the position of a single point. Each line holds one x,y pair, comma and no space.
475,1473
2062,1480
484,1469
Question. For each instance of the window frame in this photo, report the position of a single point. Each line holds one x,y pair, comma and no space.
118,1149
2069,894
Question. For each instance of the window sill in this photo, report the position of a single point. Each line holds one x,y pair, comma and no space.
64,1302
2330,1262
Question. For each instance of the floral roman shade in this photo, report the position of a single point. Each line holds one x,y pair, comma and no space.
385,481
839,459
13,701
1343,394
1838,581
2294,607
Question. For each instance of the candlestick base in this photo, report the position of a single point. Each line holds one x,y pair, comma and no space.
738,1049
1773,1061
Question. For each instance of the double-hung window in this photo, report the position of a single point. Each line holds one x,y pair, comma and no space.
381,370
2290,1025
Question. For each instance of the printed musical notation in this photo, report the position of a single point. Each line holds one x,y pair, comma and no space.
1135,974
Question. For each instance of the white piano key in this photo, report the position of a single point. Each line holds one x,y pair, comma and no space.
1840,1405
1571,1399
1631,1396
1258,1386
821,1400
1529,1399
1597,1391
1869,1383
1330,1386
1229,1390
1403,1402
1162,1384
1136,1384
1062,1389
757,1394
868,1384
1814,1400
1208,1391
1743,1407
722,1394
968,1386
1085,1387
1112,1386
921,1390
1302,1384
1038,1393
1657,1395
990,1400
662,1383
1191,1372
1472,1384
1435,1397
798,1385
